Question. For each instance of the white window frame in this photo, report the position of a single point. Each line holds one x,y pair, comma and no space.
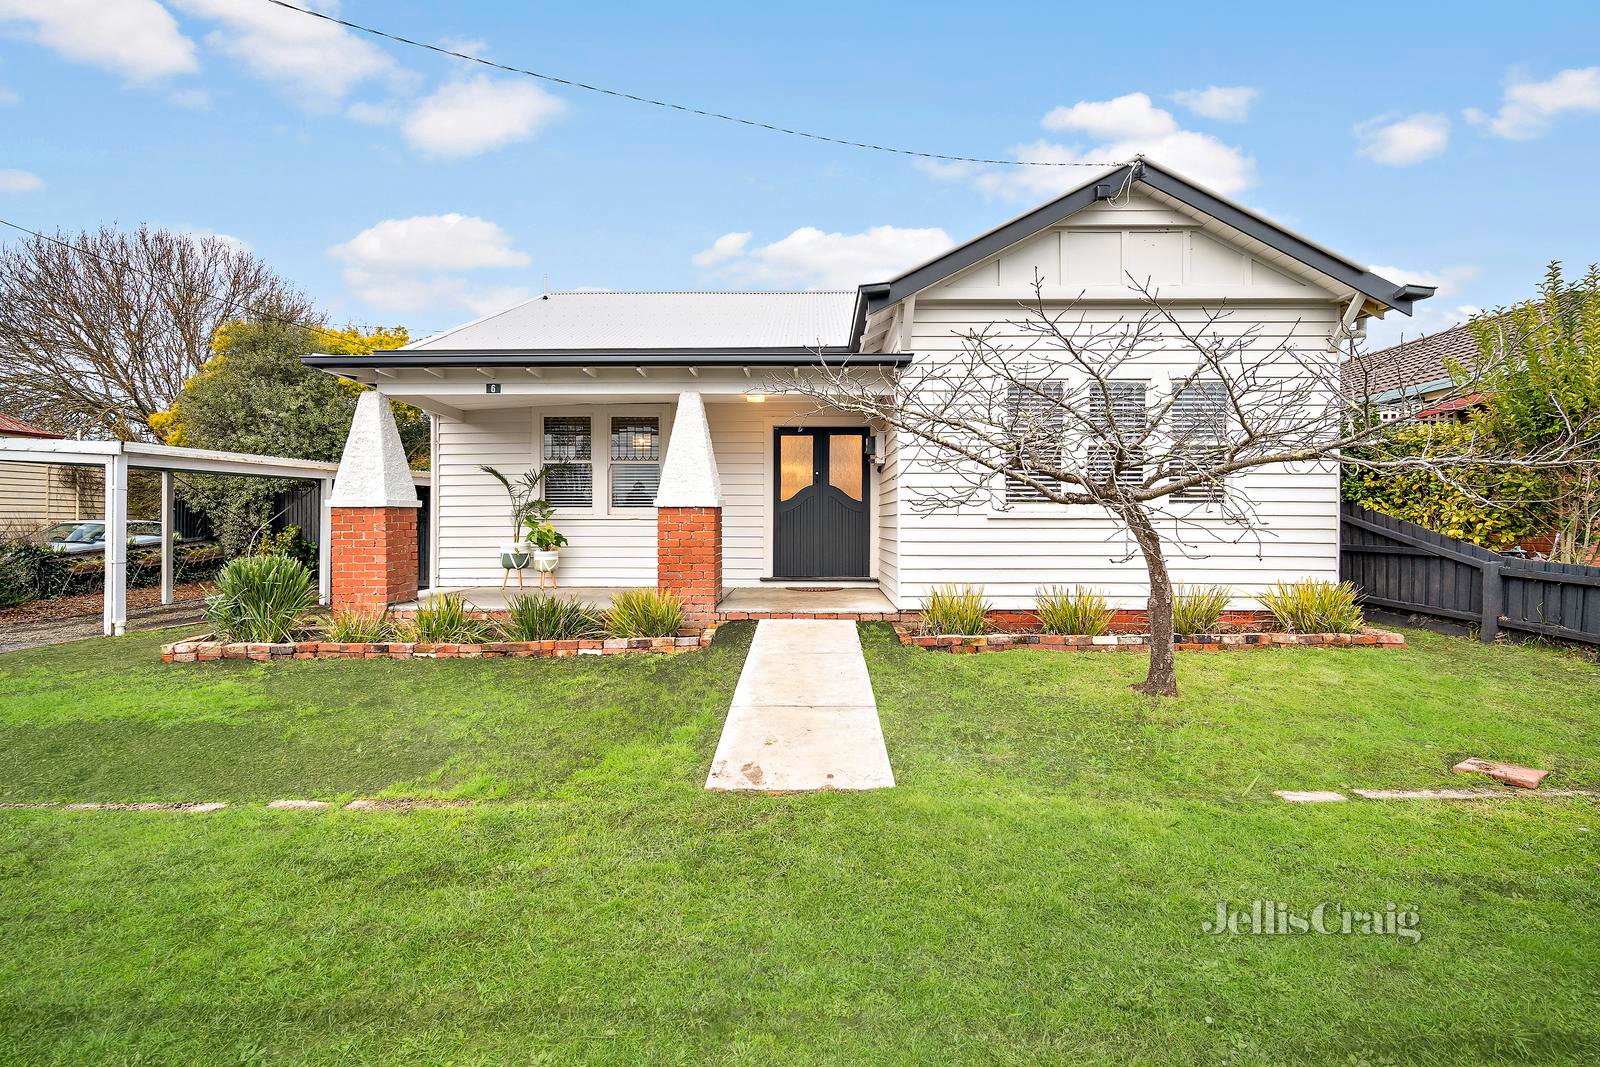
599,416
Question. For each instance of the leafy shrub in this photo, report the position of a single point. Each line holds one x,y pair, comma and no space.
261,598
541,617
445,621
644,613
1078,610
1197,609
953,609
360,627
30,572
288,541
1314,607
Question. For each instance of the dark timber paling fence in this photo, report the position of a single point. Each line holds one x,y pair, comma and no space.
1405,567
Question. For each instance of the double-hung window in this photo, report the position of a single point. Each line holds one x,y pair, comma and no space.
569,442
635,466
1117,411
1035,423
1199,421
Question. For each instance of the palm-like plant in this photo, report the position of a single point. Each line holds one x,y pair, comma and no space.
261,598
528,508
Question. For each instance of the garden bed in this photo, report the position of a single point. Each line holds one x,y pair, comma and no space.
205,649
1368,637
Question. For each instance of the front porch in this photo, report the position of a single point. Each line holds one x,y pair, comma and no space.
860,601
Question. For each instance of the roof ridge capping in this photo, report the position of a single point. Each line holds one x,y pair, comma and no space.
1109,183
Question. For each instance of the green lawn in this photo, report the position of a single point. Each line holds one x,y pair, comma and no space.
1032,890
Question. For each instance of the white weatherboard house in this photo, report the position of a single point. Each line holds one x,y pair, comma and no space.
617,385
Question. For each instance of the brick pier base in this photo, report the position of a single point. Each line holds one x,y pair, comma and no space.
689,559
374,557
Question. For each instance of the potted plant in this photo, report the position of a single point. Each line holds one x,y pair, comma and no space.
531,513
547,542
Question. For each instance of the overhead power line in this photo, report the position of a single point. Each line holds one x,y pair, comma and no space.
669,105
206,293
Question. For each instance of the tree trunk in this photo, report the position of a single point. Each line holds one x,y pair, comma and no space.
1162,679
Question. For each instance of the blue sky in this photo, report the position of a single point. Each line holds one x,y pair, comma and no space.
1452,145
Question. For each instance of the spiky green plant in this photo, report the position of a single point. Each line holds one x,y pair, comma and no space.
955,609
261,598
1314,607
541,617
1079,610
1197,609
444,620
360,627
644,613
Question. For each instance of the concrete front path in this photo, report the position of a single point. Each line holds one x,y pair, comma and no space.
803,716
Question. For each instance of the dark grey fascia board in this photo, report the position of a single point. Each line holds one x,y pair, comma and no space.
877,297
615,357
1385,292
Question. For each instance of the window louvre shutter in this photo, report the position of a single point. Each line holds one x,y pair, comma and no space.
1199,424
1035,419
635,460
1129,411
568,440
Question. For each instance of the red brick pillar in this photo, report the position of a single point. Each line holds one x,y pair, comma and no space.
689,559
374,557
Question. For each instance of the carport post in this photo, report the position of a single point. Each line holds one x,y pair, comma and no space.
324,541
166,537
116,553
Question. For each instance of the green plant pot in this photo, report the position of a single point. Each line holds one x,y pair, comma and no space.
514,557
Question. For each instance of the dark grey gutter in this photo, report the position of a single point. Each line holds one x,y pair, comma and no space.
832,356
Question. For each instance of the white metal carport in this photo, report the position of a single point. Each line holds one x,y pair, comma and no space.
117,458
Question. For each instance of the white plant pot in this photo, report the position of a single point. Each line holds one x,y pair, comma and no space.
546,559
515,557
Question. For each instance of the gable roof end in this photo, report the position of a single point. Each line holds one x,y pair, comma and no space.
1105,186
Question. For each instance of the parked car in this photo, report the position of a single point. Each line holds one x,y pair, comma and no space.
89,535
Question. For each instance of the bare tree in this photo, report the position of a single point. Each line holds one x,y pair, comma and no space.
1053,407
98,331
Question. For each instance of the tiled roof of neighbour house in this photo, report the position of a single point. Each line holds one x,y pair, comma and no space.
11,427
1411,365
613,321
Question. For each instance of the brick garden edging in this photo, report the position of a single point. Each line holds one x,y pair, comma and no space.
1367,638
204,650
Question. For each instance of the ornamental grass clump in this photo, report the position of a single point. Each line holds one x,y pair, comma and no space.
644,613
955,609
1314,607
360,627
1079,611
1197,609
541,617
444,621
261,598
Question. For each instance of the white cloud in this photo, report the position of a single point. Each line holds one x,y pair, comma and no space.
810,257
477,115
1136,127
1444,309
8,97
1528,108
416,264
726,247
1225,103
1404,141
136,38
238,244
440,242
1120,118
19,181
314,61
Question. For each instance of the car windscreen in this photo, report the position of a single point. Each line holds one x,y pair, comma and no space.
76,533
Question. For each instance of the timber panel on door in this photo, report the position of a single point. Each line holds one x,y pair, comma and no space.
822,521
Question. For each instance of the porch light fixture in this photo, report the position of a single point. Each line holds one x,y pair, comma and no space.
756,398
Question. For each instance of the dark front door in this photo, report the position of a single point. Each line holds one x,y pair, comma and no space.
821,528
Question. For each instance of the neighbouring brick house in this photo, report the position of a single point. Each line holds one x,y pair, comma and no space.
1414,379
685,467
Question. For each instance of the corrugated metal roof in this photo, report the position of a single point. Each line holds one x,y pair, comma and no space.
14,427
608,320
